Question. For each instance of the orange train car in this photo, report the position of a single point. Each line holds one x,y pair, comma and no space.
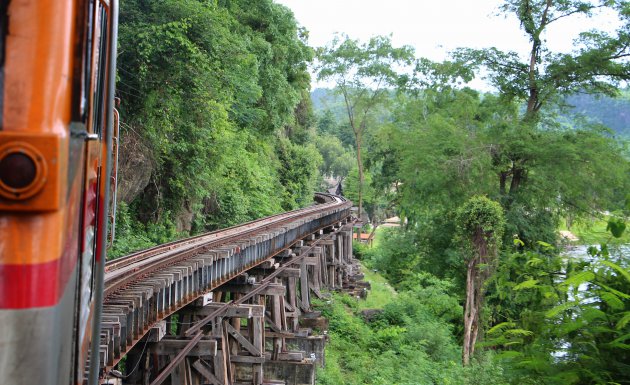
57,127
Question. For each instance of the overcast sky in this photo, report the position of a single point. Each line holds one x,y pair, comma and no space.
432,27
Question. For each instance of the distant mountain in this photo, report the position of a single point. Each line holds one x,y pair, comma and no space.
611,112
324,98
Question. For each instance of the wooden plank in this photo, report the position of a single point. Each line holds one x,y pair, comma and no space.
286,356
230,311
304,287
311,261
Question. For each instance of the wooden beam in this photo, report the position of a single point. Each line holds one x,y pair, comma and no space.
239,311
270,289
171,347
242,340
286,356
311,261
201,368
247,359
182,354
285,273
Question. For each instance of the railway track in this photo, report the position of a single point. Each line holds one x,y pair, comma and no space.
146,287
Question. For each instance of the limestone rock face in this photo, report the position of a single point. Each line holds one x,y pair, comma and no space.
183,220
135,166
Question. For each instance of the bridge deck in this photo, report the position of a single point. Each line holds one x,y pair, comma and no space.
157,301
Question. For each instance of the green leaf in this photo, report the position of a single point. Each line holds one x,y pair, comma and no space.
621,270
623,321
527,284
616,226
500,327
519,332
612,300
579,278
508,354
534,261
560,309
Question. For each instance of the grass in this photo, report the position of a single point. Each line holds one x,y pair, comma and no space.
381,293
594,233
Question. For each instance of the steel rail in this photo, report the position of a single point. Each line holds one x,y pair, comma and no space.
147,253
119,274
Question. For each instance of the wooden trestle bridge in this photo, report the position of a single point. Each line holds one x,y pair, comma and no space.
232,306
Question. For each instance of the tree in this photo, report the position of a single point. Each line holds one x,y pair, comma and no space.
480,228
598,65
364,75
207,89
337,160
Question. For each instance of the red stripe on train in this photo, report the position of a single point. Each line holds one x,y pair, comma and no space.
29,286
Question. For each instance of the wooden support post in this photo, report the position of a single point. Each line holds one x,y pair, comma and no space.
221,362
304,290
235,324
229,368
339,264
169,326
256,328
292,300
276,317
146,369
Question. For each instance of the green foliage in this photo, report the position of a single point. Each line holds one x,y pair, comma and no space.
363,74
480,224
616,226
562,323
217,91
337,160
410,342
298,173
129,234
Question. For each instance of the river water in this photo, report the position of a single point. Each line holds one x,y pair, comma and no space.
617,252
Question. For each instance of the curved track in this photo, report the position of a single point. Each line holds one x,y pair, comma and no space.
125,270
145,287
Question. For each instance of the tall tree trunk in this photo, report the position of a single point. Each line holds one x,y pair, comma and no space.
357,138
502,180
518,175
470,312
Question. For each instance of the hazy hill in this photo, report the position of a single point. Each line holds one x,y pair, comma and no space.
611,112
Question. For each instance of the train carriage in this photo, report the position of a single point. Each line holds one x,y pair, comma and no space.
57,128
